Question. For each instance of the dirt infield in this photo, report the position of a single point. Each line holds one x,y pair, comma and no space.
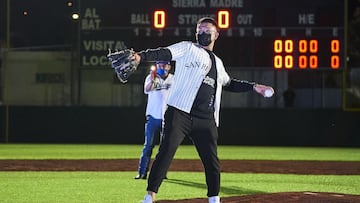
231,166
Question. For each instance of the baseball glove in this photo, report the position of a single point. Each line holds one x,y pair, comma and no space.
124,63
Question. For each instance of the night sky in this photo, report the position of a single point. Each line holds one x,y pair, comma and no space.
38,22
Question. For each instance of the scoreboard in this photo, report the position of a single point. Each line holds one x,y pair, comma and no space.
272,34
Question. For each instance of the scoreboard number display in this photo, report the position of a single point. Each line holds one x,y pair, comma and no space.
306,53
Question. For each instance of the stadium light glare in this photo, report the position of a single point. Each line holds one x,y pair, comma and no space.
75,16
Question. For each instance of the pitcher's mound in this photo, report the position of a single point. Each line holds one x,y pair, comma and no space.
284,197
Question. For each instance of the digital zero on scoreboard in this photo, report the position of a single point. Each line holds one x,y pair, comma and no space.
277,34
306,53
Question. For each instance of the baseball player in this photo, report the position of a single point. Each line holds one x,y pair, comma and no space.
156,86
193,101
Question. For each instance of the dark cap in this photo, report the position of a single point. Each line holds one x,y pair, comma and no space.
207,20
163,62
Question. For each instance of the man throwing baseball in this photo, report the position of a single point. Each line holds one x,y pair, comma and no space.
193,104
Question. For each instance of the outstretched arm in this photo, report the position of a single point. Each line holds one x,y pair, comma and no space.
159,54
236,85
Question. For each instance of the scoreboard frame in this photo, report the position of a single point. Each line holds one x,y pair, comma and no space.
251,30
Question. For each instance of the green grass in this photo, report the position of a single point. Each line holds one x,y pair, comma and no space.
83,151
121,187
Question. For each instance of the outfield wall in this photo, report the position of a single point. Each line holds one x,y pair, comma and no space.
114,125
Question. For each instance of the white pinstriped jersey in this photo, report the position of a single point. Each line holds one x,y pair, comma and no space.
192,65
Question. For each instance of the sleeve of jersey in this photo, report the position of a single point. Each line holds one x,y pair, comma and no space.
159,54
146,82
179,49
236,85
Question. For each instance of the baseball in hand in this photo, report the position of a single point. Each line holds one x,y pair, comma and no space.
268,93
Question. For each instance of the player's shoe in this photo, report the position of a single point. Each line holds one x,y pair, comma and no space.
214,199
147,199
140,176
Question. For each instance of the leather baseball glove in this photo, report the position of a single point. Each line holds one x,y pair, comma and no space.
124,63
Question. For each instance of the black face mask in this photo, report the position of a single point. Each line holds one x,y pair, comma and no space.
204,39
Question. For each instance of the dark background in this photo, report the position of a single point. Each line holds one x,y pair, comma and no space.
49,23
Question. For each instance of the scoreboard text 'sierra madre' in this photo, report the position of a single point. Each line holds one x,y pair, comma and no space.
276,34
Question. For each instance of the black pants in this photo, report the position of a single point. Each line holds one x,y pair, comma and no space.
204,134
